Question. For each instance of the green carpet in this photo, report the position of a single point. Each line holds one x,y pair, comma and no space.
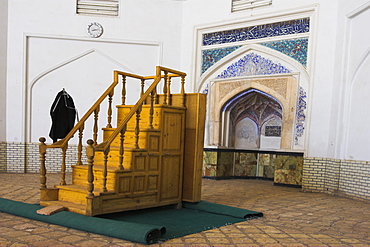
142,226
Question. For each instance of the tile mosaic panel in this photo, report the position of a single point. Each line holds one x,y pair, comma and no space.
294,48
209,157
225,170
245,170
284,169
253,64
268,172
248,158
212,56
300,115
288,169
258,32
225,158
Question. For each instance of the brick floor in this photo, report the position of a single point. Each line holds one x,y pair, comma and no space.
292,218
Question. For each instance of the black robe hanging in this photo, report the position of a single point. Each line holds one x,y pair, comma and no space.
63,114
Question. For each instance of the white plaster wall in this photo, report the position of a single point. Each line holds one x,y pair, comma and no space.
350,116
44,35
3,65
246,134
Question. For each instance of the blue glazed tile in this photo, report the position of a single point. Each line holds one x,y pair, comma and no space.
294,48
212,56
300,115
258,32
253,64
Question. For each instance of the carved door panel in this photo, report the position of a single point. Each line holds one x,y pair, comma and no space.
172,155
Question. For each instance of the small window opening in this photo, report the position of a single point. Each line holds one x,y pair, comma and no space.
98,7
238,5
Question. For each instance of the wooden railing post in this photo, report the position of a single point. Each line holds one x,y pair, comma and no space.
142,86
123,89
90,153
64,154
96,127
109,125
151,110
42,151
79,147
122,148
105,170
137,128
168,91
182,91
165,87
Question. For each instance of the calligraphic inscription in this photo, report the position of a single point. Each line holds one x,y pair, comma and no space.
273,131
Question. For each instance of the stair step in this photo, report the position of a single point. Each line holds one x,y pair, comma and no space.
76,193
82,189
71,207
79,175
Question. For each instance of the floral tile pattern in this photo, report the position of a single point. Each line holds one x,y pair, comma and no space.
300,115
294,48
258,32
253,64
212,56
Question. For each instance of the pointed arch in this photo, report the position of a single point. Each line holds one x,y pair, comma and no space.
211,73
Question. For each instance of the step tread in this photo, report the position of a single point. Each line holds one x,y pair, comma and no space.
82,189
71,207
64,203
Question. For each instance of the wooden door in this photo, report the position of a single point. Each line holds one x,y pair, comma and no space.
172,155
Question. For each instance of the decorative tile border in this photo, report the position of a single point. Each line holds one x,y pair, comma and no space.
253,64
258,32
300,115
294,48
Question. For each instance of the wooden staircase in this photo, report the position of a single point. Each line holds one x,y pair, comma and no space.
152,158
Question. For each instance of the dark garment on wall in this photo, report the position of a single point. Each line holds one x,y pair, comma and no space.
63,114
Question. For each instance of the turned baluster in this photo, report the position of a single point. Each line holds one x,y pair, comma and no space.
64,154
105,170
109,125
168,95
123,90
90,153
151,110
156,96
137,128
96,116
165,87
122,148
142,86
79,147
42,151
183,91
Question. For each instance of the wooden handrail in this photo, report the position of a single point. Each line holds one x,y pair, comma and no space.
105,146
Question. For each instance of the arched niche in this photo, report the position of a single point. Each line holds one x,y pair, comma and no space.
282,89
252,120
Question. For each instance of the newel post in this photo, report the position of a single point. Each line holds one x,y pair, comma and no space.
90,153
42,151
